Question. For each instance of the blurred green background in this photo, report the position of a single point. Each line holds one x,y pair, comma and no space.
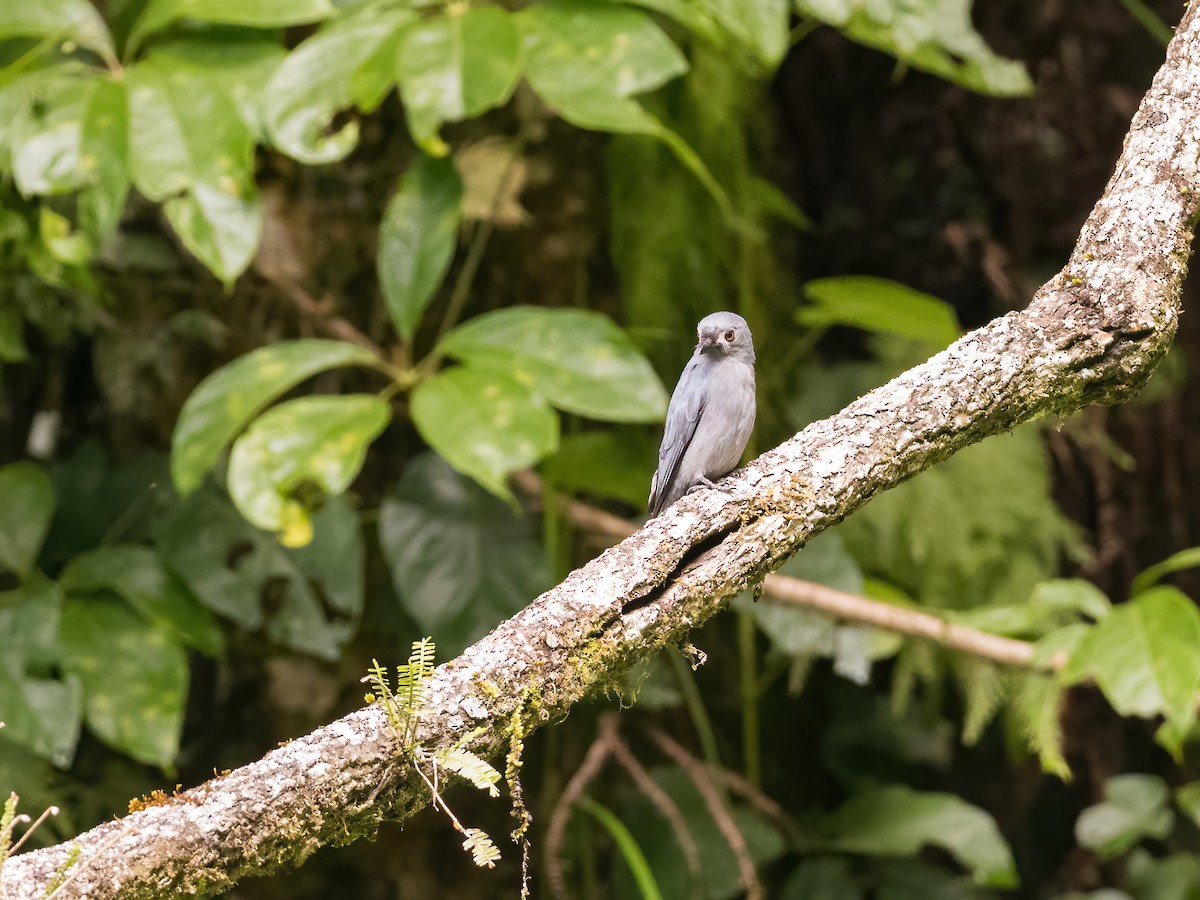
288,290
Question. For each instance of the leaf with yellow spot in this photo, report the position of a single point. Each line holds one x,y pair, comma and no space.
228,399
578,359
484,424
134,678
319,441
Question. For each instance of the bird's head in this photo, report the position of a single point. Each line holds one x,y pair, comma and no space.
725,334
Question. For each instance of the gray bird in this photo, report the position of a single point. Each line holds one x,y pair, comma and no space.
711,412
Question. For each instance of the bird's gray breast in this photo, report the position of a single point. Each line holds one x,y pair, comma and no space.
726,422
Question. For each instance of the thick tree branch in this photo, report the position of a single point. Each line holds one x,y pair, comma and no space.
1092,334
840,605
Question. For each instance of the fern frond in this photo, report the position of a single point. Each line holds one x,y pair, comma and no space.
483,851
465,763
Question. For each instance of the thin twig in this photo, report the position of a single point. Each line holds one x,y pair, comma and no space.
702,777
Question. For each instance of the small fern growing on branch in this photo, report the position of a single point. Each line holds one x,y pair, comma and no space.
404,707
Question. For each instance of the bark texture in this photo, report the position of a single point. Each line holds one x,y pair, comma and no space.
1093,334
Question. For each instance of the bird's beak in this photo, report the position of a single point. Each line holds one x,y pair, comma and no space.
707,341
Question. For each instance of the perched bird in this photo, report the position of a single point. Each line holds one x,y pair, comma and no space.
711,412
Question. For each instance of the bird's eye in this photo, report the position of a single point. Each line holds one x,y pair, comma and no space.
730,335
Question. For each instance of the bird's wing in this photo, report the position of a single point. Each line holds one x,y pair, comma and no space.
683,415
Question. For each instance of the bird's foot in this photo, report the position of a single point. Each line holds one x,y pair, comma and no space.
703,483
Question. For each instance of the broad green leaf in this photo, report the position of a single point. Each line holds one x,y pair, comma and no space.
719,875
1145,656
309,599
139,576
1168,878
935,36
238,63
578,359
224,402
1134,807
580,49
134,677
1176,562
309,441
43,714
895,820
76,140
26,508
417,238
191,148
761,25
615,463
29,619
62,20
158,14
484,423
460,560
456,66
348,63
879,306
587,60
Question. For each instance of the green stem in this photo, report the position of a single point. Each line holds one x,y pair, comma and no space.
630,851
751,732
686,679
1146,17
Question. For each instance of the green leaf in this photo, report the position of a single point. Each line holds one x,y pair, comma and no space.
347,63
77,141
1176,562
897,821
309,599
138,575
484,423
64,20
221,405
191,148
822,878
158,14
935,36
1170,878
1145,656
580,49
586,60
313,440
615,463
134,677
43,714
1134,807
879,306
761,25
456,66
417,238
238,63
25,514
578,359
460,560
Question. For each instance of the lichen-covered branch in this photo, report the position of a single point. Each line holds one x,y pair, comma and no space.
1092,334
